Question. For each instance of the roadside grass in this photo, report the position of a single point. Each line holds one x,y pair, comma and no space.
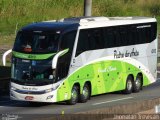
6,41
16,13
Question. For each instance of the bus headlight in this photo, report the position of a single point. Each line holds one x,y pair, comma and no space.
52,89
48,90
55,87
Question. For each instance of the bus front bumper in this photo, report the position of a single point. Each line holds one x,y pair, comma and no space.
47,97
33,93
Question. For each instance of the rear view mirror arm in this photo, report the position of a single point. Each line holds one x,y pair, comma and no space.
5,55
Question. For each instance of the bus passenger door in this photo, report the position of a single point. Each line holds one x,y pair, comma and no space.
63,64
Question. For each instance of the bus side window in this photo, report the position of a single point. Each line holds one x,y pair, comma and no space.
140,36
148,34
123,36
83,44
108,38
129,36
117,38
68,41
96,39
134,35
153,31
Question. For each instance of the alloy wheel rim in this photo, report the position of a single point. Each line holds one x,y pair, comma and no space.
85,92
74,95
138,83
129,85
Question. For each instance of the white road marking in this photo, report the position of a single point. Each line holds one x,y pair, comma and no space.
113,100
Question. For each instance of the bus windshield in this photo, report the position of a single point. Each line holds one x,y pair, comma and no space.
30,42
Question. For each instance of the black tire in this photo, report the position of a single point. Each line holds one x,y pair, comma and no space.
74,96
137,86
85,94
129,85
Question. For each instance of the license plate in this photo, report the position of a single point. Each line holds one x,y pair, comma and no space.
29,98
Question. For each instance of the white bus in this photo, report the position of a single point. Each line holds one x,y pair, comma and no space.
75,58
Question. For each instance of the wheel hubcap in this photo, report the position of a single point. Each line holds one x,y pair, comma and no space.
74,95
85,92
129,85
138,83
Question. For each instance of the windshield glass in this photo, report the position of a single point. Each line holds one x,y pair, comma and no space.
32,72
29,42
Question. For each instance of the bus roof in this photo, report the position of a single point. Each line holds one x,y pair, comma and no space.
84,22
50,26
89,22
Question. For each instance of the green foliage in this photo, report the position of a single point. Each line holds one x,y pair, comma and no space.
126,7
16,13
21,12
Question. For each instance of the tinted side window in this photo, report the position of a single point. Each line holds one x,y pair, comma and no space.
95,39
131,35
123,36
90,39
83,43
68,41
153,31
109,38
141,35
112,37
146,33
117,37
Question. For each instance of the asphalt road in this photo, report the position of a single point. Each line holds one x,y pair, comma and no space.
8,106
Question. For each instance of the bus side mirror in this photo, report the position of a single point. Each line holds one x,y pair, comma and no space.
5,55
55,58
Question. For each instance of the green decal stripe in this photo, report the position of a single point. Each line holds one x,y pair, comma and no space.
32,56
105,76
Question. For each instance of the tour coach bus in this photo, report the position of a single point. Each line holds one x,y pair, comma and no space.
75,58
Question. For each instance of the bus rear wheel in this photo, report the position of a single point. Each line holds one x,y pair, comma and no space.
137,84
129,85
85,94
74,96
